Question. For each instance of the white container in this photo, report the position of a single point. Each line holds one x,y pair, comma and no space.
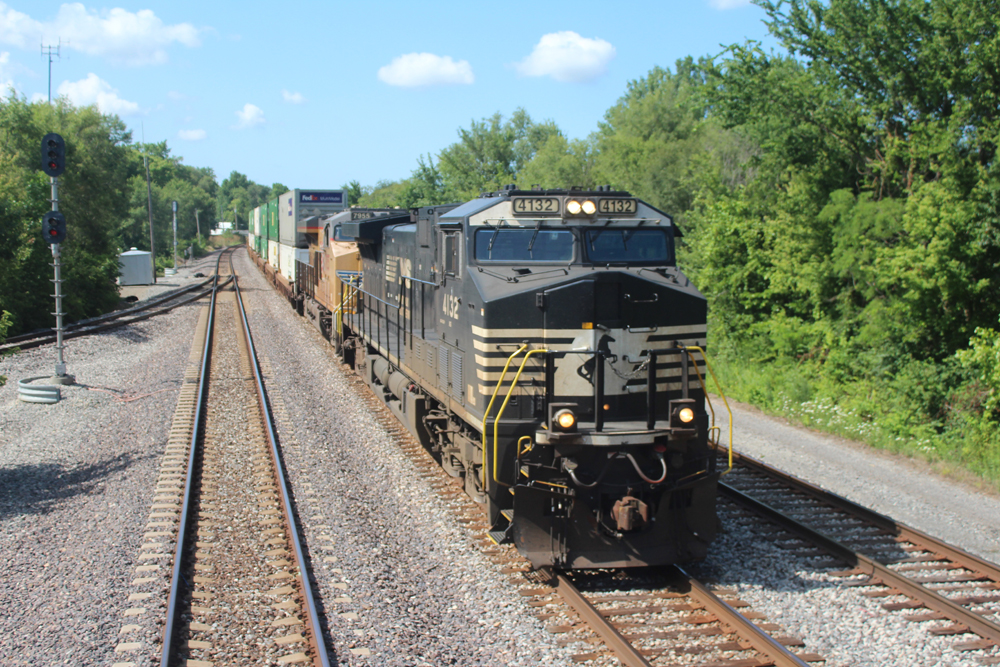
299,212
136,268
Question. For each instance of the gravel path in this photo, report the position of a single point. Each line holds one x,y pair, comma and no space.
76,481
898,487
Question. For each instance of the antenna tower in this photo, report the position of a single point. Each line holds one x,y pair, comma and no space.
51,52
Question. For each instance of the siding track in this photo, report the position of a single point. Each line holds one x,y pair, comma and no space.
941,582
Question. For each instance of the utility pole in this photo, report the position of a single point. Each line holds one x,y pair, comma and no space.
197,225
236,219
175,236
149,199
51,51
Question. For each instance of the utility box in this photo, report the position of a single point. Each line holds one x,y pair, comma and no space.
136,268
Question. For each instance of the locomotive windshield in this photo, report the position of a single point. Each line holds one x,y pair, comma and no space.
524,245
628,245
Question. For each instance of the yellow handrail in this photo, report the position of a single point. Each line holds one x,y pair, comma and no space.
721,393
338,312
486,415
503,406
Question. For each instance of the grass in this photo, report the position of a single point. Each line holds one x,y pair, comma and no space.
902,413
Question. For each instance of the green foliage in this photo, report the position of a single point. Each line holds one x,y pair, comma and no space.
354,192
91,195
384,194
860,250
982,359
650,141
490,154
193,188
238,196
560,163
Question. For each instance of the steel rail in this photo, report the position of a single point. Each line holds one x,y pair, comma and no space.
317,641
173,608
918,537
44,333
614,640
741,625
113,320
630,656
115,324
929,598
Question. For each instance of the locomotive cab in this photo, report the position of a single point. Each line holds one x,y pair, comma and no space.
543,344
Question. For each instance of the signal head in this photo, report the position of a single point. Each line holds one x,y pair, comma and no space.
53,154
54,227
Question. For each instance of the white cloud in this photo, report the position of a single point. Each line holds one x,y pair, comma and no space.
192,135
139,38
728,4
95,90
293,98
250,116
6,83
566,56
414,70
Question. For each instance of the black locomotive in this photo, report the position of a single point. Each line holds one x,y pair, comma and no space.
539,342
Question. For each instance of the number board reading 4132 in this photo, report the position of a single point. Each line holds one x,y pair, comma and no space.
536,205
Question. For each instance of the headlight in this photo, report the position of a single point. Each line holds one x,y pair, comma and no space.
589,207
683,414
565,419
573,207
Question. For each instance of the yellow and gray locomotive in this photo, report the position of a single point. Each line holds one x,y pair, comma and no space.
545,346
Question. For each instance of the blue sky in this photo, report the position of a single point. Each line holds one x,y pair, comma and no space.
315,94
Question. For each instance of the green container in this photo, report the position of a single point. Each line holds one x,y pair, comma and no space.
272,219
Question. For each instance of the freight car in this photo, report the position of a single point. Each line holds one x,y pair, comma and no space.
333,262
542,344
282,230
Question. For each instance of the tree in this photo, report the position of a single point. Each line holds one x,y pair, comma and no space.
490,153
560,163
92,194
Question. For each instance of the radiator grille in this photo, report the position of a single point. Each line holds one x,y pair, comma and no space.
443,367
456,375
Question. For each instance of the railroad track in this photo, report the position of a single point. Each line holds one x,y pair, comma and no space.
662,616
645,617
240,589
923,574
119,318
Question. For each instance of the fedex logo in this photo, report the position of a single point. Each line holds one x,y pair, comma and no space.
321,197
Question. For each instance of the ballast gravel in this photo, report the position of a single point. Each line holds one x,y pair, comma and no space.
901,488
76,482
401,581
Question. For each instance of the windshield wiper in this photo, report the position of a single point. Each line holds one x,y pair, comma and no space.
489,248
531,243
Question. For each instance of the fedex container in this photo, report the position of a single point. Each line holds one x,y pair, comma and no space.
299,212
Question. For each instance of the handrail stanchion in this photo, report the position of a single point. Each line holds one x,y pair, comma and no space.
598,391
503,406
651,392
486,413
715,379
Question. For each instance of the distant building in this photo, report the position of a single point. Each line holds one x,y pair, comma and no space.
221,228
